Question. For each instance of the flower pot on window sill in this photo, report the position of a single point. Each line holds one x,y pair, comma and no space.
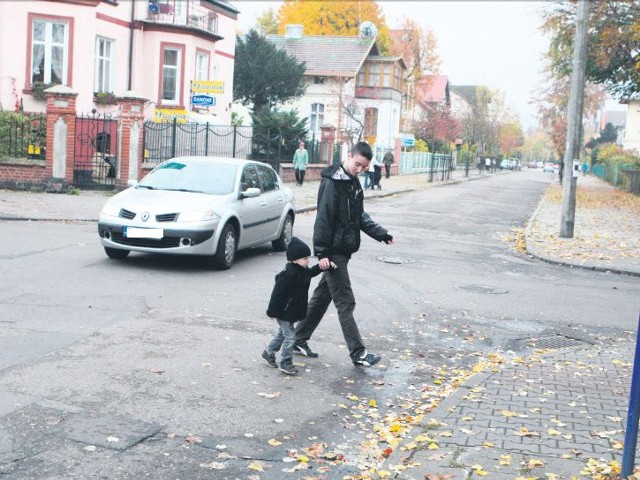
103,98
37,90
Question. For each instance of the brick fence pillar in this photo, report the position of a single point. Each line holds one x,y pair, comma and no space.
327,139
130,138
61,129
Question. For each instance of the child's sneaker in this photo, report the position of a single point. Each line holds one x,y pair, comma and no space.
367,359
270,358
288,368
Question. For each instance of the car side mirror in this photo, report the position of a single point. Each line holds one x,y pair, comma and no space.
250,193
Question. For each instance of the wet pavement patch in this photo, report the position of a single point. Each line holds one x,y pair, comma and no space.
395,260
489,289
113,432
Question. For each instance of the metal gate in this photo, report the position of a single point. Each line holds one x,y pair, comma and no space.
95,160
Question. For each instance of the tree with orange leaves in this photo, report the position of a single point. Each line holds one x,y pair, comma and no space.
334,18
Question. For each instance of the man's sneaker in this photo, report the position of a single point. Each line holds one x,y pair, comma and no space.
270,359
305,350
367,359
288,368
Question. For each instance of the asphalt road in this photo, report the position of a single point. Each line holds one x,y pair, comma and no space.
150,367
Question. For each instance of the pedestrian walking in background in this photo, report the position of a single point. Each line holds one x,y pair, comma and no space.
300,161
288,303
387,161
585,168
340,217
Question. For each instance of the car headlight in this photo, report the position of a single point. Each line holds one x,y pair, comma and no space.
110,210
197,216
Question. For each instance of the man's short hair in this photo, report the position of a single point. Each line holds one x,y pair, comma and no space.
363,149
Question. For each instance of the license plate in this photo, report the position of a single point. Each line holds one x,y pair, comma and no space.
134,232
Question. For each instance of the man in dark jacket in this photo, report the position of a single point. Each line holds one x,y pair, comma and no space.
336,236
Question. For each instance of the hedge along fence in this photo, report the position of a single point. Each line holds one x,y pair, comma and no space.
22,136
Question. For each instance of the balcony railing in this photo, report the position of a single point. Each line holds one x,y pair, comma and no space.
188,14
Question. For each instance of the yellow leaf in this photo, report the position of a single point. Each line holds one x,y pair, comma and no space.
488,444
433,446
373,403
509,413
505,459
257,466
352,397
551,431
303,458
384,474
274,443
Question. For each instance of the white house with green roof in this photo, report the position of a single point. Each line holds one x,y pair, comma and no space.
350,86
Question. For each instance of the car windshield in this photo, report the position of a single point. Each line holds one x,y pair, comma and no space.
201,177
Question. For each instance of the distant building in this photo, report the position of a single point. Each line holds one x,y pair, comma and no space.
350,86
632,124
616,118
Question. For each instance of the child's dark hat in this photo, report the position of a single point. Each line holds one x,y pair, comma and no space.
297,249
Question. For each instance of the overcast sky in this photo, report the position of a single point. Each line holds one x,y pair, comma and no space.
496,44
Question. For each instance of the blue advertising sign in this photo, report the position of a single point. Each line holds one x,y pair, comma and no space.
203,100
409,142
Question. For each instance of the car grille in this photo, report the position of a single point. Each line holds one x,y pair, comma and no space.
166,242
128,214
167,217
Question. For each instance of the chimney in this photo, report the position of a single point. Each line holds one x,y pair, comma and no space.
293,31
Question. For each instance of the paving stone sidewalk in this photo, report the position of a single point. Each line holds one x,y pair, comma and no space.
541,416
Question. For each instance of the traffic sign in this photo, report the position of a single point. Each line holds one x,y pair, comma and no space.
409,142
203,100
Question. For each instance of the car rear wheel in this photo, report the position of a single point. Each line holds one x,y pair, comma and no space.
281,244
227,248
116,253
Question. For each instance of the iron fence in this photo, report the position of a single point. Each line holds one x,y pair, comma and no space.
23,136
436,165
163,141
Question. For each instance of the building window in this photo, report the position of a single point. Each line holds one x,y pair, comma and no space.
387,78
374,75
171,75
317,118
104,65
370,122
180,11
49,51
202,66
318,80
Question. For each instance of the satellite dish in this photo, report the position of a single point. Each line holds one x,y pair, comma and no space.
368,29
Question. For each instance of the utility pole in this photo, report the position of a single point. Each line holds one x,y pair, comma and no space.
574,121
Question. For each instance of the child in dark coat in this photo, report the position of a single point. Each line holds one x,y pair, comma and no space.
288,304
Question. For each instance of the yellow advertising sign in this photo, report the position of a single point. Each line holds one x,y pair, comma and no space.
164,115
212,87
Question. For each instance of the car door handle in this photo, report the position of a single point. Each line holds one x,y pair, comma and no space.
263,204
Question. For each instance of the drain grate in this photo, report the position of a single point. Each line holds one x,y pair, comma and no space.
551,342
395,260
483,289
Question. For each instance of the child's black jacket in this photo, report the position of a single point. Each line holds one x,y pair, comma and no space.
291,292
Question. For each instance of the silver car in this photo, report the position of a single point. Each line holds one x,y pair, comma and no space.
207,206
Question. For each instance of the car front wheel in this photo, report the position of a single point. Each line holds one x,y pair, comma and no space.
281,244
227,247
116,253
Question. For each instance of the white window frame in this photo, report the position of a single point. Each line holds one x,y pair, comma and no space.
180,11
316,118
165,67
202,66
49,45
104,65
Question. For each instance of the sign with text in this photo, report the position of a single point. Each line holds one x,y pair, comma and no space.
203,100
165,115
208,87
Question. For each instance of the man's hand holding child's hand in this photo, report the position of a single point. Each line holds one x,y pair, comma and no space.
326,264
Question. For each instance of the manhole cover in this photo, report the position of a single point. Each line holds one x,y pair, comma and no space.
396,260
482,289
549,342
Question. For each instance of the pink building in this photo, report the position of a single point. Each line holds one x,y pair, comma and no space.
102,48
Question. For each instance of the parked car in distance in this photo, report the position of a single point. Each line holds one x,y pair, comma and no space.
548,168
208,206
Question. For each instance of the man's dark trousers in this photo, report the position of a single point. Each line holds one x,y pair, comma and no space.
334,285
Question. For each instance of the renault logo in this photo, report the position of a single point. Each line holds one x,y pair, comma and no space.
145,216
